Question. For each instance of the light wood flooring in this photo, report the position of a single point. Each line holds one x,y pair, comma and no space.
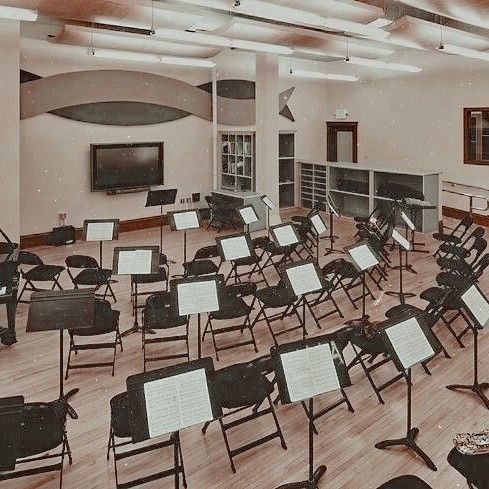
345,442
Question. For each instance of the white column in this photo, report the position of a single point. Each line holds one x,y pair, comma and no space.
9,129
267,128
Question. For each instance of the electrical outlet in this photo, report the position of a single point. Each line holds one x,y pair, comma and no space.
182,201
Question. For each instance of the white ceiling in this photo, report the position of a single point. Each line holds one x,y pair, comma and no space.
314,29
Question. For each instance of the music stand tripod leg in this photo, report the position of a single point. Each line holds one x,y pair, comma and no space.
332,238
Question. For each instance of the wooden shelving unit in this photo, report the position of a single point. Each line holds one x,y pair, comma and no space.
286,165
237,170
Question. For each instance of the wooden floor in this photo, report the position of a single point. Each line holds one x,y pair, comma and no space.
345,442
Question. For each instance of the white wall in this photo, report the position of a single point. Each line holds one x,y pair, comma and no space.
9,129
417,122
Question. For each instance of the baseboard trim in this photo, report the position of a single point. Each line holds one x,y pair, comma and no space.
40,239
460,214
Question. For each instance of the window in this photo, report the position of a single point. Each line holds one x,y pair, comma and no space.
476,136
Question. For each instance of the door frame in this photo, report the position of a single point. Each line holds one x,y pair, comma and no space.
332,128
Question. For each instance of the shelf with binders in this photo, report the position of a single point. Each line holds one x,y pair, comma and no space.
351,205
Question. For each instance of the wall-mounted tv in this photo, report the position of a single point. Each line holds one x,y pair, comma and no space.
126,166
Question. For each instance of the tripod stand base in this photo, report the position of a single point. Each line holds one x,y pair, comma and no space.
136,329
409,268
477,389
402,295
330,251
361,320
409,442
312,484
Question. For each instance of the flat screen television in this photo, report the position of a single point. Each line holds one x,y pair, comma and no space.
126,166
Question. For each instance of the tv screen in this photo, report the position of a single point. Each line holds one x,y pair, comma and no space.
126,166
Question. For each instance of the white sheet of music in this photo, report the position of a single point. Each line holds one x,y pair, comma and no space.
309,372
186,220
177,402
285,235
268,202
248,215
409,342
397,236
100,231
236,247
318,224
363,257
134,262
3,290
332,208
303,278
197,297
409,223
477,304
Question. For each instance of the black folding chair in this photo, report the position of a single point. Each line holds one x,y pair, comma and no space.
106,322
169,328
36,271
456,236
243,388
120,414
204,262
405,482
220,216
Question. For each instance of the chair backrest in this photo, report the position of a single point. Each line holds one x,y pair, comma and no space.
159,312
478,246
244,289
29,258
405,482
81,261
481,265
105,320
207,252
119,415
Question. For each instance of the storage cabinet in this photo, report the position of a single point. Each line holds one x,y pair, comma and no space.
237,170
286,167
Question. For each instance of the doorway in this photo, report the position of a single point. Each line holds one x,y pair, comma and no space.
342,138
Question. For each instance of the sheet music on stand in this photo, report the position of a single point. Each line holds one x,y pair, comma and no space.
182,220
284,235
248,214
268,202
332,206
303,277
363,257
409,342
401,240
409,223
234,247
100,229
134,260
196,296
318,224
477,305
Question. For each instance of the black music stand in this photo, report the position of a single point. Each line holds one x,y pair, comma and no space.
10,420
477,305
159,198
285,234
59,310
400,208
181,221
136,260
270,206
189,400
405,247
333,212
233,247
364,258
305,369
100,230
248,216
196,295
409,342
319,227
415,204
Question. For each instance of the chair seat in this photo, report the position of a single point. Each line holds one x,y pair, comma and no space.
475,468
158,321
119,407
93,276
402,309
150,278
453,249
43,273
433,294
405,482
247,261
274,296
232,310
200,267
447,238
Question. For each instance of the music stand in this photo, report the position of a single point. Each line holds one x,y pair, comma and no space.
10,421
196,295
305,369
303,278
100,230
364,258
404,246
400,207
409,342
248,216
59,310
284,235
477,305
413,205
333,211
233,247
160,198
181,221
270,206
136,260
319,227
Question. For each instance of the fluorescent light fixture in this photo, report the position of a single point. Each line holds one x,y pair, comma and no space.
380,23
323,76
384,65
15,13
151,58
466,52
221,41
355,28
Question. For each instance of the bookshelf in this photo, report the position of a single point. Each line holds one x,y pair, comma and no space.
286,165
237,157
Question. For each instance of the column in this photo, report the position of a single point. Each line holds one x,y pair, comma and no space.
267,129
9,129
